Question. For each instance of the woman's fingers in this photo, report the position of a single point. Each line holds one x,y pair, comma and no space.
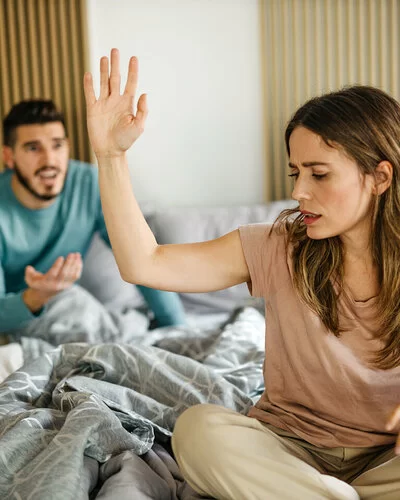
142,111
104,78
88,89
132,79
115,76
397,447
394,420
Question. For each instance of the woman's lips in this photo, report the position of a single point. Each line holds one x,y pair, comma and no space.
310,219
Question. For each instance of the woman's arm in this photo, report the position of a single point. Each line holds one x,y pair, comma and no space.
113,128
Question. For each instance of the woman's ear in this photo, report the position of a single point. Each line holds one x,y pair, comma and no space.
383,177
8,157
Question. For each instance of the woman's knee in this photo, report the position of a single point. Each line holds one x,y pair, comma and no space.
199,427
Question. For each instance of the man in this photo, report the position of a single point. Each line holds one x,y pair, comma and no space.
49,211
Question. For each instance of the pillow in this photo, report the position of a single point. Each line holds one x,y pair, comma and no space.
101,278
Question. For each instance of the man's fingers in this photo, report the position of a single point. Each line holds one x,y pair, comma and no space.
104,78
394,420
71,269
132,80
30,270
90,96
78,266
115,76
31,275
53,272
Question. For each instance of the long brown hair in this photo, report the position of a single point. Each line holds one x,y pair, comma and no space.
364,122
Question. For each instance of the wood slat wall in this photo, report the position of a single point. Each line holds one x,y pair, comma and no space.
315,46
44,54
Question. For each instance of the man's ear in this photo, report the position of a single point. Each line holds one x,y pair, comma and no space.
383,177
8,157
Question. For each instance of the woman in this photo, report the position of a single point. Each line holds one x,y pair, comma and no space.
327,423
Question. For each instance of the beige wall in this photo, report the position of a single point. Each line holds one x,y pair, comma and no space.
314,46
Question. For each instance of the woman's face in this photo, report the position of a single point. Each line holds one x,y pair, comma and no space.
334,196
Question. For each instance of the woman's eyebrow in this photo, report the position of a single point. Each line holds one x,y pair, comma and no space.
311,164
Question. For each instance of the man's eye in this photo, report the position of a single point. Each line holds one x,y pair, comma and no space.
32,148
58,145
293,175
319,176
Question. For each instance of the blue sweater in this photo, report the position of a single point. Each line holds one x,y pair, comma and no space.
38,237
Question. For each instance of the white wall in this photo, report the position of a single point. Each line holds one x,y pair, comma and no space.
200,64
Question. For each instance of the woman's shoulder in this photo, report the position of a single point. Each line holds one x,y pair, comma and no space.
262,233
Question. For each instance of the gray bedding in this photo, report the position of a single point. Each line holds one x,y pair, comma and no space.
94,421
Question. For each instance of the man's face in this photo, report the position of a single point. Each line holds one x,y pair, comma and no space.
39,158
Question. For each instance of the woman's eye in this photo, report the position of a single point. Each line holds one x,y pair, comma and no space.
295,175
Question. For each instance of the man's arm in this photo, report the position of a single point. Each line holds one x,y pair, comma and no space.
17,309
14,312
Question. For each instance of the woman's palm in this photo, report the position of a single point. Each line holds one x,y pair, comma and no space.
112,125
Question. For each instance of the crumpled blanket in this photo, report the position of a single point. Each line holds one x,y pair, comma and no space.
82,419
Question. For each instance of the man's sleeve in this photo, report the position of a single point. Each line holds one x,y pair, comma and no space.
167,306
13,311
101,228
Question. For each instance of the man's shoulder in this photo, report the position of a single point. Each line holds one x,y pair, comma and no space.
82,176
5,183
81,184
5,176
80,169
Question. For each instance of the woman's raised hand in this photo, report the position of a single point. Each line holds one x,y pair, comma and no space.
112,123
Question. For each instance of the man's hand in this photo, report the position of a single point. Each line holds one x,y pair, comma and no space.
394,423
112,125
42,286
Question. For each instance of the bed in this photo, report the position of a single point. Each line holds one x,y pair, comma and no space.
94,420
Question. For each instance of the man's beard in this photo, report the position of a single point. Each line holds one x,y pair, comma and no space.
25,182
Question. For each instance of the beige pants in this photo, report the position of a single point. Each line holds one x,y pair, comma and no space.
226,455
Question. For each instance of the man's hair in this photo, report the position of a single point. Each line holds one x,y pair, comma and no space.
30,112
363,122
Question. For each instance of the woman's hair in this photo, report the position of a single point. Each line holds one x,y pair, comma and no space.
365,123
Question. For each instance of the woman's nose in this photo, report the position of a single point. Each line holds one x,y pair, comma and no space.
301,190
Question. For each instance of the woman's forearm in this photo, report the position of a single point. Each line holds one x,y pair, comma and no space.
131,239
113,127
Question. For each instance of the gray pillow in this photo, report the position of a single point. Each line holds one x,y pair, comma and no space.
102,279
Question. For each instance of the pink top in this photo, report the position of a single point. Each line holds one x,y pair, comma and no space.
317,386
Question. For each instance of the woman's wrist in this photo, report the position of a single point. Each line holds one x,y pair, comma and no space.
111,161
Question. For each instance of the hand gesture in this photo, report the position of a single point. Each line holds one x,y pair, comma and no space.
394,423
112,124
62,274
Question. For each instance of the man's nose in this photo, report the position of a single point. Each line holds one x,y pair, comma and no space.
49,157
